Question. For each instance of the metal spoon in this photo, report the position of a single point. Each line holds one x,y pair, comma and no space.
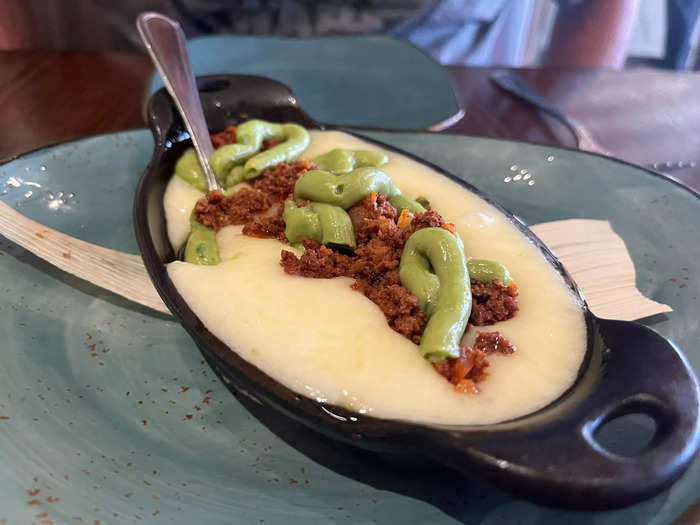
165,42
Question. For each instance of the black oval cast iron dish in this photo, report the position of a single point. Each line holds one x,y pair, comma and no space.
550,456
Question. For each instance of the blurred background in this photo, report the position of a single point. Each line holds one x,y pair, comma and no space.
625,70
613,34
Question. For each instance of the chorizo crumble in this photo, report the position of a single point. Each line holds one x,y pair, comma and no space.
493,302
374,265
227,136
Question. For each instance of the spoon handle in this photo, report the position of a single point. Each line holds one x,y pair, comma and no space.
166,44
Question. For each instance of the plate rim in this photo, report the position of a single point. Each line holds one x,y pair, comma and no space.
359,130
356,129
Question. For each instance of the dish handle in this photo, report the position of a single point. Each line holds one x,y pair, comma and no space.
557,459
229,99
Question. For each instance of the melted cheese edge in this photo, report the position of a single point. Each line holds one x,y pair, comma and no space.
324,340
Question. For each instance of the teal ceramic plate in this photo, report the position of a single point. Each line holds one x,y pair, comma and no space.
378,76
107,412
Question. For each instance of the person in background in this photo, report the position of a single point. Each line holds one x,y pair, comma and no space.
585,33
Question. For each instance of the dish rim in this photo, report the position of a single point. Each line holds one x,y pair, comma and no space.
183,311
590,401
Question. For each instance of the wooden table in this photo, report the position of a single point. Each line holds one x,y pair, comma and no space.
642,116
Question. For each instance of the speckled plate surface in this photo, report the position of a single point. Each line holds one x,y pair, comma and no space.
107,412
378,75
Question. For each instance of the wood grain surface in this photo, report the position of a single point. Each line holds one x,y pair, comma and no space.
642,116
50,96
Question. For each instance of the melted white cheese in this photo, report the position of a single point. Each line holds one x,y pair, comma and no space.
179,200
322,339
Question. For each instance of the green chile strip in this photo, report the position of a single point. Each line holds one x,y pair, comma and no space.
227,159
319,222
422,201
485,271
296,139
301,222
201,245
345,160
401,202
234,177
336,226
188,169
444,293
343,190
